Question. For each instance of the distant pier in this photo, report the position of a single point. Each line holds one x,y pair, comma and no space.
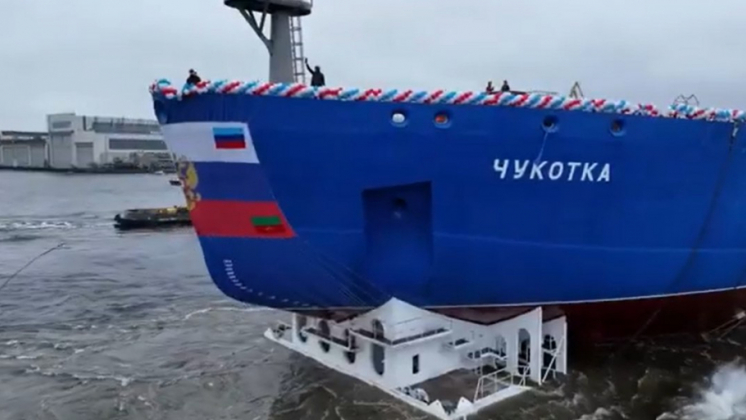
97,170
87,144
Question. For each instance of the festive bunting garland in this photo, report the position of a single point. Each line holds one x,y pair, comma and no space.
164,89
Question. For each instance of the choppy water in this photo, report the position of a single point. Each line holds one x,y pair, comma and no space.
129,326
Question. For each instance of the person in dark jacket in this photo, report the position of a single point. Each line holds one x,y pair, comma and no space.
317,77
193,78
505,87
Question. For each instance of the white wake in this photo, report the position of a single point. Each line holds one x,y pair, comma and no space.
723,397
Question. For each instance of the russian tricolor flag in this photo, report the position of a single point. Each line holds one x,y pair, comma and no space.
228,142
236,200
229,137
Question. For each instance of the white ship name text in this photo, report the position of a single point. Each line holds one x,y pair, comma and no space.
552,171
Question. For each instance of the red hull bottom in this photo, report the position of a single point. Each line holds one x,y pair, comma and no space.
599,322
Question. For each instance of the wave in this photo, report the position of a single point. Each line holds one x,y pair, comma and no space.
722,397
9,226
33,223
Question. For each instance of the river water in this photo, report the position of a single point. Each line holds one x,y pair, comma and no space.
112,325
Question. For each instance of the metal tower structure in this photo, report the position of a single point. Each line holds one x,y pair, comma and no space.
285,40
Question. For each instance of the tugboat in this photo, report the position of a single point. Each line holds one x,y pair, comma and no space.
153,218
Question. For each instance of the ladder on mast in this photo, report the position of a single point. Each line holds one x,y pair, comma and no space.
296,44
576,91
686,100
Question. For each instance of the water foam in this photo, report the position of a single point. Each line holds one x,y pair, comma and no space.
231,309
722,398
35,225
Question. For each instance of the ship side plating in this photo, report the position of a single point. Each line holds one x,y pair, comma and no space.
460,207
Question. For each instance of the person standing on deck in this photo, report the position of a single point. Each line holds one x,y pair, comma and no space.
193,78
317,77
490,88
505,87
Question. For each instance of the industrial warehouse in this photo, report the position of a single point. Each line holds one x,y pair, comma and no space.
87,143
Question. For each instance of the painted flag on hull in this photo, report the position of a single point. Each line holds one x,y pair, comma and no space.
268,224
229,137
195,142
231,181
240,219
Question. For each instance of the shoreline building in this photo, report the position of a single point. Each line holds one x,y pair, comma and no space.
24,149
79,141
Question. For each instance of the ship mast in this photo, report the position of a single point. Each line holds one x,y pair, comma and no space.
686,100
285,40
576,91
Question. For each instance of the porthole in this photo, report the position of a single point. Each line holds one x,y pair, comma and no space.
399,118
350,355
378,352
301,324
325,333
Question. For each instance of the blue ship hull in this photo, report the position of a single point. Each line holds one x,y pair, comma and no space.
608,217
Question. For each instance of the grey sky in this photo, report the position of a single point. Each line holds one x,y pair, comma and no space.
97,57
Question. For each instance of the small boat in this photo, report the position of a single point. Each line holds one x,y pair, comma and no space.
153,218
174,182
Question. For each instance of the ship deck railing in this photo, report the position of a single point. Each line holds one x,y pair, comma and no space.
411,331
493,383
433,334
459,344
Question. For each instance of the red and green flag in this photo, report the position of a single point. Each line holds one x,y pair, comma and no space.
268,224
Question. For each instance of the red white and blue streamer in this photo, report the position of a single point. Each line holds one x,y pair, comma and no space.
163,88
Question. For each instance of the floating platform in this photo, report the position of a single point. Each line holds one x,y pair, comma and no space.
153,218
445,367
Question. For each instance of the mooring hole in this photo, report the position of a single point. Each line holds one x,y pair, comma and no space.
550,123
617,127
442,120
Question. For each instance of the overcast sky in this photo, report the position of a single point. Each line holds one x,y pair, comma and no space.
97,57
